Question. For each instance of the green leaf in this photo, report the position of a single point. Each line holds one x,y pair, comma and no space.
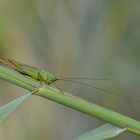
104,132
6,109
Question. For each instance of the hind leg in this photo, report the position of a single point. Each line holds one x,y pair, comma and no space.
41,79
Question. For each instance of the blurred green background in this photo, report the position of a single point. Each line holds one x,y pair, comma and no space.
72,38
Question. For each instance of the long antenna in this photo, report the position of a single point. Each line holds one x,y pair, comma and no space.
106,91
68,78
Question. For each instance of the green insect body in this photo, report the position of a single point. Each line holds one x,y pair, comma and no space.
40,75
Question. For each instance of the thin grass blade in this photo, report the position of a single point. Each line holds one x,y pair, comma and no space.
101,133
6,109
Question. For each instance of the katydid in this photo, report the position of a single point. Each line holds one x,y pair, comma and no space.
49,78
39,74
35,73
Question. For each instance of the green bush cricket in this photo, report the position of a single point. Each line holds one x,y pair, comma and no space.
35,73
39,74
49,78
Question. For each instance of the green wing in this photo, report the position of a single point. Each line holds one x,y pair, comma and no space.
25,69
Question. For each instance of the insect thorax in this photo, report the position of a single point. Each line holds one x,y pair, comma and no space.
48,78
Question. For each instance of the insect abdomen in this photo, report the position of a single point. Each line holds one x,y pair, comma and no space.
26,69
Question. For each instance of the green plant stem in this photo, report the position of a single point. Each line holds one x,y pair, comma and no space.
71,101
92,109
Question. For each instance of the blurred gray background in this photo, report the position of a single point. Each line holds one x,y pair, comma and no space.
71,38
